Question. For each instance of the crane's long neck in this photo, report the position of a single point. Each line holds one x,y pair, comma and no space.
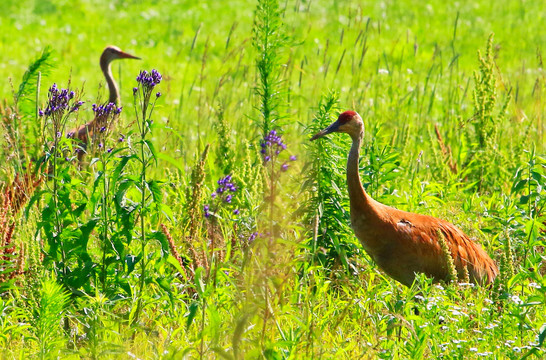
112,86
360,200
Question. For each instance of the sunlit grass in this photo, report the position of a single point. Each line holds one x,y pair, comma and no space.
408,69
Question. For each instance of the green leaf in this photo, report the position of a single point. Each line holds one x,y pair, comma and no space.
119,168
171,260
541,179
167,211
42,64
94,161
171,161
155,189
191,313
7,285
87,229
77,212
123,186
151,147
199,282
131,261
37,196
542,335
519,185
162,238
164,284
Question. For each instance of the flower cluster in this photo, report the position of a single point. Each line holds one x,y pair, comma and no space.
105,111
104,116
223,195
59,101
272,145
248,240
225,186
252,237
149,80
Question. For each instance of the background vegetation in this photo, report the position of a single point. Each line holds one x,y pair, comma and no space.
131,254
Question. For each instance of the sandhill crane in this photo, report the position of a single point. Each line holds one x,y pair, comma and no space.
402,243
109,54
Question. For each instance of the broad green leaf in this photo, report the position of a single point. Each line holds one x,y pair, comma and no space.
192,311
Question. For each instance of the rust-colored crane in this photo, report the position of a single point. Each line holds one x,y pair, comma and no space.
110,53
404,243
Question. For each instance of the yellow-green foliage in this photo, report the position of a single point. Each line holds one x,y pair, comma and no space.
447,134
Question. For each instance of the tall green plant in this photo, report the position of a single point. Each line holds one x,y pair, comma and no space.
108,170
529,187
31,133
66,250
224,150
48,317
269,40
485,157
382,169
331,242
150,200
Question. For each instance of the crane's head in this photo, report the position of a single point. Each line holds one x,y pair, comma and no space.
111,53
348,122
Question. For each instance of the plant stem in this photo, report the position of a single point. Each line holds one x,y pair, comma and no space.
142,205
58,225
104,221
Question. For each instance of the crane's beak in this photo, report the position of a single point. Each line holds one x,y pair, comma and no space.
330,129
124,55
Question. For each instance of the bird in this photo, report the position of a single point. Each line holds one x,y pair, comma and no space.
401,243
85,131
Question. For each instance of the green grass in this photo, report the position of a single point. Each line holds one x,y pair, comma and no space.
405,67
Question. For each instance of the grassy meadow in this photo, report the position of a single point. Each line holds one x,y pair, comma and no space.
176,237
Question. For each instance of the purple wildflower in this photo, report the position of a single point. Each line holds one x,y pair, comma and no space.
105,114
58,101
284,167
158,94
223,195
271,146
293,158
149,80
106,110
76,106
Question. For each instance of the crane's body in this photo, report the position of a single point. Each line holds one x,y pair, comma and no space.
402,243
